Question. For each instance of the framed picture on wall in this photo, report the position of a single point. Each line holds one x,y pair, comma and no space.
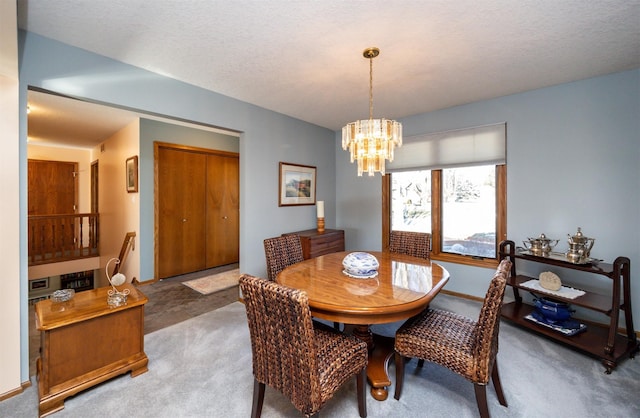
297,184
39,284
132,174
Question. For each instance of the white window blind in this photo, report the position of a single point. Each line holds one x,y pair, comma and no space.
456,148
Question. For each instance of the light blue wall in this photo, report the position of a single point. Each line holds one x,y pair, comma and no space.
573,155
266,138
573,159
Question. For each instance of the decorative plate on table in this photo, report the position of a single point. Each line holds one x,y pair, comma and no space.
360,265
360,276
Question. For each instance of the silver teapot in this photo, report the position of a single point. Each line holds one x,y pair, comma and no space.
541,245
579,247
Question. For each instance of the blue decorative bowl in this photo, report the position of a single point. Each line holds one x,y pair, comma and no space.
360,265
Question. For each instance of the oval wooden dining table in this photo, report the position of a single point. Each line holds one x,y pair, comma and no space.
403,287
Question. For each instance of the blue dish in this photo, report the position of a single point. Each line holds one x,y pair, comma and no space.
360,264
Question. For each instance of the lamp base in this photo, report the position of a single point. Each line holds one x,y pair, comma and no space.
116,298
320,224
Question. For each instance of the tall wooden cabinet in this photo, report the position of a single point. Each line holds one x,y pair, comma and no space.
197,209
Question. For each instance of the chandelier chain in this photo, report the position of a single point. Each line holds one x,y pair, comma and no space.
370,88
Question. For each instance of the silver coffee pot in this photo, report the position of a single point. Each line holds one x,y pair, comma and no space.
541,245
579,247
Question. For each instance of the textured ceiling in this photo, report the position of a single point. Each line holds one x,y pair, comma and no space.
304,58
60,121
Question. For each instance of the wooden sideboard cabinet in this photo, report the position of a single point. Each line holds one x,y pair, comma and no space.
84,341
316,243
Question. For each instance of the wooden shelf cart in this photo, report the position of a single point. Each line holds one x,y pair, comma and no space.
599,340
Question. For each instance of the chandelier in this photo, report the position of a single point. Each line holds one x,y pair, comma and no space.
371,141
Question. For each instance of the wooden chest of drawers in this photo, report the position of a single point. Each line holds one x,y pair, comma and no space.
316,243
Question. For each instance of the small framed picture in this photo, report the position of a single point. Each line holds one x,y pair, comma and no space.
39,284
132,174
297,185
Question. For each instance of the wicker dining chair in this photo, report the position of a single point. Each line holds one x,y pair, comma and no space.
464,346
282,252
416,244
306,361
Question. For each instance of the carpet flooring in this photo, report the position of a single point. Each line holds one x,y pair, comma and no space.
201,367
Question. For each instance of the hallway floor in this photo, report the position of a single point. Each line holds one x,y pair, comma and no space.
169,302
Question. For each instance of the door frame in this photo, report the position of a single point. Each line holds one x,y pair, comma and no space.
156,207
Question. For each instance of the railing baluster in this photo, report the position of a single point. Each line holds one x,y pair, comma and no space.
80,238
54,238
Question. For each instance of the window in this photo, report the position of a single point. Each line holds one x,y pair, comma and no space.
461,203
464,216
411,201
469,211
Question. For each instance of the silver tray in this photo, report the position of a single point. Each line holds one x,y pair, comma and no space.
558,256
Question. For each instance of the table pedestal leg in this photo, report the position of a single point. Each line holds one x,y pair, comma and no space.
380,352
363,333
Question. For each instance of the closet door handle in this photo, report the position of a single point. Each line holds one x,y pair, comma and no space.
184,219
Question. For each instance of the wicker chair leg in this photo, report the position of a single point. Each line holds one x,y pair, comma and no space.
399,375
481,399
495,377
420,362
258,398
361,381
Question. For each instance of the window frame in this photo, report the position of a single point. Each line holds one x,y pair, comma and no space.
436,221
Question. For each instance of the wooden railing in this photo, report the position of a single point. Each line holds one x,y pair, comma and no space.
128,244
54,238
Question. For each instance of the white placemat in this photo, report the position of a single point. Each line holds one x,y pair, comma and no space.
565,292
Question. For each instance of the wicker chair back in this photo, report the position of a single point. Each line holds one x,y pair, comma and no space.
417,244
486,335
281,332
281,252
304,360
464,346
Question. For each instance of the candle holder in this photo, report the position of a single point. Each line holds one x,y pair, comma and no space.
320,224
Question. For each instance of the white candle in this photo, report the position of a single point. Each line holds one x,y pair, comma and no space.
320,208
